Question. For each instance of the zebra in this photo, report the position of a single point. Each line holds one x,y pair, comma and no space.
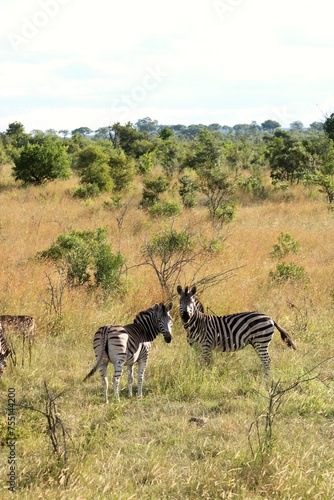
23,324
228,333
4,351
126,345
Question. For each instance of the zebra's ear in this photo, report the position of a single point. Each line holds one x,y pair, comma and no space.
193,290
169,306
179,289
156,307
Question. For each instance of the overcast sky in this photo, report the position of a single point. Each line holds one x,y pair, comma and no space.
69,63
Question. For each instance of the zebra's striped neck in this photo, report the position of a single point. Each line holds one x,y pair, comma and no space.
197,316
145,321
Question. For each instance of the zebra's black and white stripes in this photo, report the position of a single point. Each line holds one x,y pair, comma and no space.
228,333
4,351
126,345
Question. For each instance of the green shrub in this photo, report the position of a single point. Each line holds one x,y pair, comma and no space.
87,191
86,258
289,272
152,190
166,208
286,244
188,191
223,213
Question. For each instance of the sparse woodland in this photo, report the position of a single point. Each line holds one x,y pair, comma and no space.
123,221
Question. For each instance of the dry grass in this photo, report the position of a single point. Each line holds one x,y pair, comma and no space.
151,448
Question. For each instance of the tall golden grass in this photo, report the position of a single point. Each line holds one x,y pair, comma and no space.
189,436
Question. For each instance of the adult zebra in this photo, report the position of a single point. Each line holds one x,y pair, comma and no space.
126,345
4,351
228,333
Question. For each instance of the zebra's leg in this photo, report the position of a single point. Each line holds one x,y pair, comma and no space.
23,345
103,372
130,379
264,357
118,370
141,372
207,356
30,348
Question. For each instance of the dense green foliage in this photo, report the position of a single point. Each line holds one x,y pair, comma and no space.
210,161
42,160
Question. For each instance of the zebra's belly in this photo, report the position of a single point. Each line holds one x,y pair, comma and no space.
227,345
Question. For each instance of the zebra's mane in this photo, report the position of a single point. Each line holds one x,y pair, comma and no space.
199,306
146,312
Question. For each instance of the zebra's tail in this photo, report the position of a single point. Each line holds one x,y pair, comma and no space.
99,360
285,337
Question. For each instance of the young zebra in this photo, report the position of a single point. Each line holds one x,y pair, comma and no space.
4,352
23,324
126,345
228,333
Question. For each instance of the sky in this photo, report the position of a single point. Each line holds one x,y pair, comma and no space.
66,64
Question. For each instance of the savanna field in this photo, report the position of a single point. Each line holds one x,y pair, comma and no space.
198,432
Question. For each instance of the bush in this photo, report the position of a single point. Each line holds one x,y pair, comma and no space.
223,213
87,191
286,244
152,189
165,208
289,273
86,258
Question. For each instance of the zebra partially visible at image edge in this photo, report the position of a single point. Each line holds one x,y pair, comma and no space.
24,325
228,333
130,344
4,351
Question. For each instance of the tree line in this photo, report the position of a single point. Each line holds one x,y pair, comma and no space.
209,161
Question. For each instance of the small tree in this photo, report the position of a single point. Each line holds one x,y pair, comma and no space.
328,126
168,152
216,185
169,253
152,189
187,191
42,162
122,169
297,125
288,158
324,174
15,137
93,169
270,125
166,253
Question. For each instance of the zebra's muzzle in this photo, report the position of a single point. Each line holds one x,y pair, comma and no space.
168,339
185,316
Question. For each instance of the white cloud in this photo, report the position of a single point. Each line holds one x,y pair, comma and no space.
221,60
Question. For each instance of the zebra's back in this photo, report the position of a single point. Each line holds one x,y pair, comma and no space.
120,341
235,331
